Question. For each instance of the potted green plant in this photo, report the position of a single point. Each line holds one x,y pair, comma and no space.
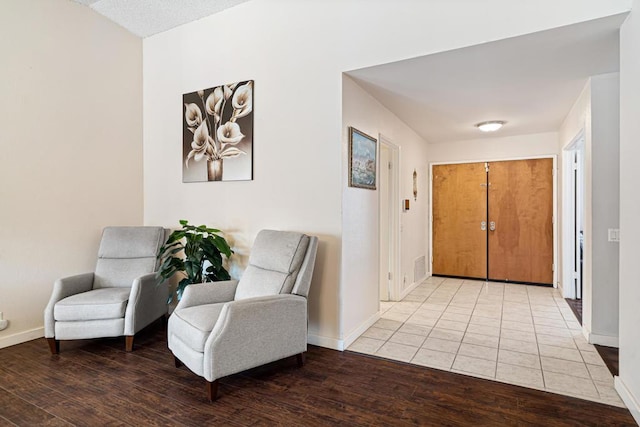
188,250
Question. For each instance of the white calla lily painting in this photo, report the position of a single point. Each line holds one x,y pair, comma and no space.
217,135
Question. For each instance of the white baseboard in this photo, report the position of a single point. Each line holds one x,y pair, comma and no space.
360,330
628,398
585,332
411,287
21,337
606,340
319,340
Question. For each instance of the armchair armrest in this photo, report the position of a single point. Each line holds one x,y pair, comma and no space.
63,288
255,331
208,293
147,302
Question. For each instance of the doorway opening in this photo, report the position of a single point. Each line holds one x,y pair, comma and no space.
574,219
389,221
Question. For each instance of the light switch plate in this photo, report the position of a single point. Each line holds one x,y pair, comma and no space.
614,234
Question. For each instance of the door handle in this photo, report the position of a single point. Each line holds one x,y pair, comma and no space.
483,225
492,226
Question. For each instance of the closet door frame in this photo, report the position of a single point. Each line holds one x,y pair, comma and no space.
556,268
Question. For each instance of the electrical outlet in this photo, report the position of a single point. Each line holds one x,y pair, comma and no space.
3,323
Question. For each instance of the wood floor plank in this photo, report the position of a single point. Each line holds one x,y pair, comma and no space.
81,414
5,422
28,389
93,388
95,382
21,412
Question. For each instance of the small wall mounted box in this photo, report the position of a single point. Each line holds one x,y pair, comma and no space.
405,205
3,323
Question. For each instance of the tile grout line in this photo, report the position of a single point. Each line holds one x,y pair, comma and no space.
404,322
535,336
500,327
445,309
475,304
441,292
584,361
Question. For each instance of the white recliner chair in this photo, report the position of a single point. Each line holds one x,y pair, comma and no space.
222,328
120,298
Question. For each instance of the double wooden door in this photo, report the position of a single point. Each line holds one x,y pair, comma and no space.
494,220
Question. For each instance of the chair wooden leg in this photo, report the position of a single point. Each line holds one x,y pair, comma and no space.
212,390
300,359
129,342
54,345
177,362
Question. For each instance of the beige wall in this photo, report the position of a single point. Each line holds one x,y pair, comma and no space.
71,150
296,52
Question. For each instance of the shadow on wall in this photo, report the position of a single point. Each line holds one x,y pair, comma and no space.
325,272
241,246
324,290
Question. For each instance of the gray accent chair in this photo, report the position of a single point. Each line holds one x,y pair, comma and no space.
221,328
120,298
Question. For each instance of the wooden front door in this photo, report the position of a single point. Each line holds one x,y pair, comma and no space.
521,221
517,208
459,207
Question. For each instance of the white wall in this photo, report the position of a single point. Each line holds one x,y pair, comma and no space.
628,383
360,234
596,113
70,135
605,137
495,148
296,52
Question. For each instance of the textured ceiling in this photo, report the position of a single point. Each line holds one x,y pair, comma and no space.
148,17
531,82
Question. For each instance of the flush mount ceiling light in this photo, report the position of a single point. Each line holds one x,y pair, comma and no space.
490,126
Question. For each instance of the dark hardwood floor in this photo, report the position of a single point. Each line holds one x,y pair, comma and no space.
576,307
609,355
96,383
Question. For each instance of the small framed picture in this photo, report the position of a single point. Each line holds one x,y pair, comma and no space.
362,159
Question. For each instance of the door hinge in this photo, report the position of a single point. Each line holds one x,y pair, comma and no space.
575,166
389,276
390,165
486,167
553,267
575,275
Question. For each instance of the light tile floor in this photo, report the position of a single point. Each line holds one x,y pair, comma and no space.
517,334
